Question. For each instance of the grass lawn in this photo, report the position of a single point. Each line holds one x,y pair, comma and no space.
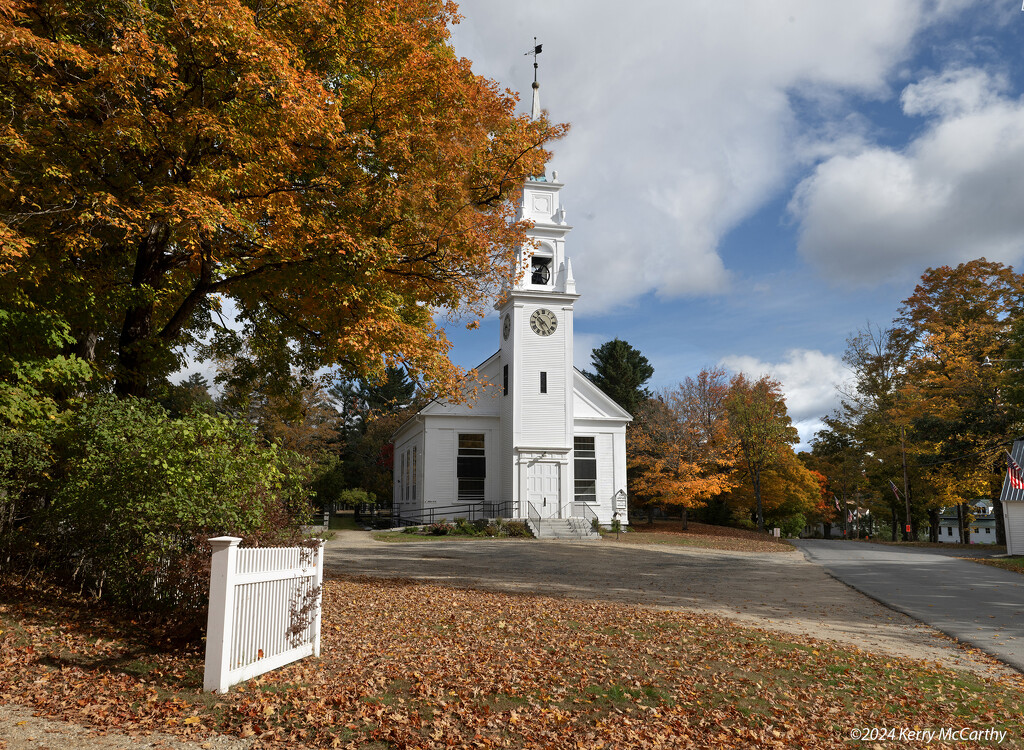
409,665
1015,564
701,535
343,522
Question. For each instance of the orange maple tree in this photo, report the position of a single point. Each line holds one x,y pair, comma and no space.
680,450
331,168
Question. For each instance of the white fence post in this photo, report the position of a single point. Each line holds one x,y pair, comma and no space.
318,583
263,614
219,623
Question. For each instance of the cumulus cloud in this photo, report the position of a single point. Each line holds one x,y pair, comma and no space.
683,116
954,193
809,379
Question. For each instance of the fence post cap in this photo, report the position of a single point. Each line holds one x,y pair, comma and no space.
221,542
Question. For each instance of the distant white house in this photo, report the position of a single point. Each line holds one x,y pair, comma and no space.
540,441
982,528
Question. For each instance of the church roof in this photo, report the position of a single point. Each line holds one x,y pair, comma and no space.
586,390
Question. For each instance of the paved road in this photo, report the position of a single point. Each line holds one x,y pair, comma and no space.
978,604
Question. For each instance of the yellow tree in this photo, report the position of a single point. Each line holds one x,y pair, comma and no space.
762,428
956,321
679,449
789,492
330,167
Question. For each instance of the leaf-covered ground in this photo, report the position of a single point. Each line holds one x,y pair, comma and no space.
410,665
1016,564
704,536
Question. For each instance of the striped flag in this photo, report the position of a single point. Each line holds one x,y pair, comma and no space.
1014,473
894,490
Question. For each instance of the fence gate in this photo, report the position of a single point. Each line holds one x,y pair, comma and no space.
264,610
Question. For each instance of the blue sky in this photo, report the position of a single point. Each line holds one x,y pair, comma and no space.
752,182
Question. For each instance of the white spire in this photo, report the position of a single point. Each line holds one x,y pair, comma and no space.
535,111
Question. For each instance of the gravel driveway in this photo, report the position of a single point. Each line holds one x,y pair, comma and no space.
773,590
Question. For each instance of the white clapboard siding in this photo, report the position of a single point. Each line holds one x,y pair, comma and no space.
254,597
543,415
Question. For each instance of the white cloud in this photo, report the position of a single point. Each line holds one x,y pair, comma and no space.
683,122
953,194
809,379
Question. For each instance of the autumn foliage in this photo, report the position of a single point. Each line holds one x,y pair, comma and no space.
331,168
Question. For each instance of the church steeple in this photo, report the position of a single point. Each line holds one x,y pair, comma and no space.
535,110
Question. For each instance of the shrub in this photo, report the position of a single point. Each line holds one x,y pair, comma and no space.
790,525
355,497
517,529
464,528
134,495
440,528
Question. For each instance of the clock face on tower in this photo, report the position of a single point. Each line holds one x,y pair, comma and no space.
543,322
506,327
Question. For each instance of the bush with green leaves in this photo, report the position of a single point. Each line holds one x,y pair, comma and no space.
789,525
440,528
135,494
517,529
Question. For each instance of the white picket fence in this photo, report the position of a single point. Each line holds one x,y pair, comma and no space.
264,610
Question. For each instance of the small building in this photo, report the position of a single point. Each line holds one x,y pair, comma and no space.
538,440
1012,498
982,528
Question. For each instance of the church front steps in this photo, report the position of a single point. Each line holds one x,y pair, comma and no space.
567,529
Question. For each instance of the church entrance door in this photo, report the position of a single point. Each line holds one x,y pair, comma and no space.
543,489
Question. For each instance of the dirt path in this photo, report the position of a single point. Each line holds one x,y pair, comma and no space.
779,591
20,730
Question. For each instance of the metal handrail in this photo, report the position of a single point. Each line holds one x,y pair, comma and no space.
588,514
533,514
469,511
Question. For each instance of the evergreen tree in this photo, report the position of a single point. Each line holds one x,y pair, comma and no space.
621,371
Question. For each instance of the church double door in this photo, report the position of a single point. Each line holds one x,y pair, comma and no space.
544,489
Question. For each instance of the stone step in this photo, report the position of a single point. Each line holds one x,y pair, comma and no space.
569,529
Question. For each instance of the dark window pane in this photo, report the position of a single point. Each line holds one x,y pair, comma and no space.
472,466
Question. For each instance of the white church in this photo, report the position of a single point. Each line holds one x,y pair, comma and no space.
541,442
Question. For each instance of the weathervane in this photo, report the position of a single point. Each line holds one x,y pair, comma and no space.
537,49
535,110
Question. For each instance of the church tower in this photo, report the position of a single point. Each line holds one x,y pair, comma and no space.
536,347
549,444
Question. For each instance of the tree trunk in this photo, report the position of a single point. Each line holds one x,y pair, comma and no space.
933,525
132,354
756,481
997,512
134,351
895,523
686,524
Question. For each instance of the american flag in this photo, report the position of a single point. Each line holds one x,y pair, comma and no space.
1014,473
894,490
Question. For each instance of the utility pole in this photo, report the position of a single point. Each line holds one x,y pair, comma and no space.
906,482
